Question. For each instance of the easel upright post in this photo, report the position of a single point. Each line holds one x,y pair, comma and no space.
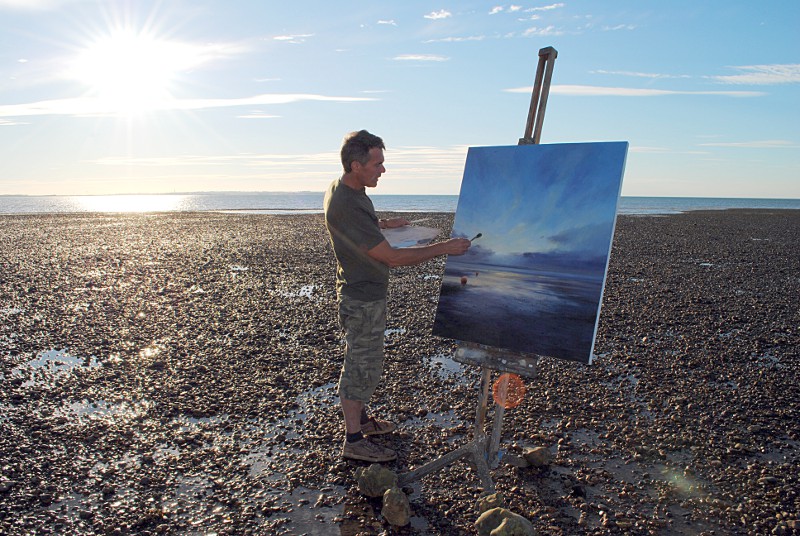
541,90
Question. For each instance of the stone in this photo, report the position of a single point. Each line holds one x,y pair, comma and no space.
514,526
487,502
375,480
538,456
493,523
516,461
396,508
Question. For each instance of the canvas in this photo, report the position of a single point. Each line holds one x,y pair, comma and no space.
532,283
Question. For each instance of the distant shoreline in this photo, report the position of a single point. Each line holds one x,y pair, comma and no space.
311,202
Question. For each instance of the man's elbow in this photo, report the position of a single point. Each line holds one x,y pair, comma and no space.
389,259
392,262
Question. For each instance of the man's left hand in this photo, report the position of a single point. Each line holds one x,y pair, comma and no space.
394,223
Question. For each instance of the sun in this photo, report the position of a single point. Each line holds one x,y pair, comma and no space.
131,72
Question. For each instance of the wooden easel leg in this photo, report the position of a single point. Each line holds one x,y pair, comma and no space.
477,449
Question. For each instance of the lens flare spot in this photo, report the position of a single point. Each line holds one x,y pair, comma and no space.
508,390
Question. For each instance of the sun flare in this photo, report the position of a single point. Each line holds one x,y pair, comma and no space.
132,72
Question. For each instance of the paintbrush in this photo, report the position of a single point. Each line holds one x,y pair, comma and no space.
476,236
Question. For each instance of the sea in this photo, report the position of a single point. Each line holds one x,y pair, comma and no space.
311,202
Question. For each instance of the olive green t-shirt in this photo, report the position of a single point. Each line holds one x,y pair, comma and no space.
354,230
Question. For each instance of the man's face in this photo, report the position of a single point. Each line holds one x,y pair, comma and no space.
368,173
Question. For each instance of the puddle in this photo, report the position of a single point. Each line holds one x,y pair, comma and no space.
101,409
447,420
781,451
193,423
273,449
394,331
310,512
49,363
446,366
306,291
60,360
238,268
769,360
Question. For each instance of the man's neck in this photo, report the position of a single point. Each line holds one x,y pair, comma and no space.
349,180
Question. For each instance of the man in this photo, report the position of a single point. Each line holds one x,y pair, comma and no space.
363,259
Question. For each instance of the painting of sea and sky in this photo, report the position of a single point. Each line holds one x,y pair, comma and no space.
532,282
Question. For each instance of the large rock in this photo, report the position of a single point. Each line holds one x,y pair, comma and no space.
487,502
538,456
375,480
514,526
396,508
503,522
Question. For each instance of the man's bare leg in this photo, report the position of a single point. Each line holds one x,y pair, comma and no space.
352,415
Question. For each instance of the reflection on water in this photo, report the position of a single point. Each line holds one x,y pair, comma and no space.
130,203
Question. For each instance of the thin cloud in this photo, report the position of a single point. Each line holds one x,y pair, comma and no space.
257,115
95,107
759,144
649,150
599,91
640,75
420,57
34,5
388,22
495,10
456,39
763,75
436,15
407,165
545,8
618,27
549,30
297,38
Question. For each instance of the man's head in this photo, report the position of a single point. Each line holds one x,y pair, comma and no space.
356,148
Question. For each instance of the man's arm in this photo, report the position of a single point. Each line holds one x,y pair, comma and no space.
393,257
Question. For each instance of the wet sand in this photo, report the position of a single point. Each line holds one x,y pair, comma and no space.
175,374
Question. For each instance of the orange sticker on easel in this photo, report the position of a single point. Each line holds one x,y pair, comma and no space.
508,390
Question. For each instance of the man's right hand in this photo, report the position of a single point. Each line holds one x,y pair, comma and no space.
456,246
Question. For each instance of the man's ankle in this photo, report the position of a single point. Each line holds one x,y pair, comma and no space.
352,438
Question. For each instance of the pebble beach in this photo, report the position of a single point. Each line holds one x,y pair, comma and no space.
175,373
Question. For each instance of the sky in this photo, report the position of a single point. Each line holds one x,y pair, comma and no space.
110,97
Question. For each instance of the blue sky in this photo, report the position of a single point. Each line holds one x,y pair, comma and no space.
103,97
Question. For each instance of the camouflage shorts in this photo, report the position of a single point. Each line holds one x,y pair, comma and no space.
364,324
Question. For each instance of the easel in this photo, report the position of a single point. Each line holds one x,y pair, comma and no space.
483,450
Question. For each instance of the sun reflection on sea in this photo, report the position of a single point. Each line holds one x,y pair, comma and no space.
131,203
